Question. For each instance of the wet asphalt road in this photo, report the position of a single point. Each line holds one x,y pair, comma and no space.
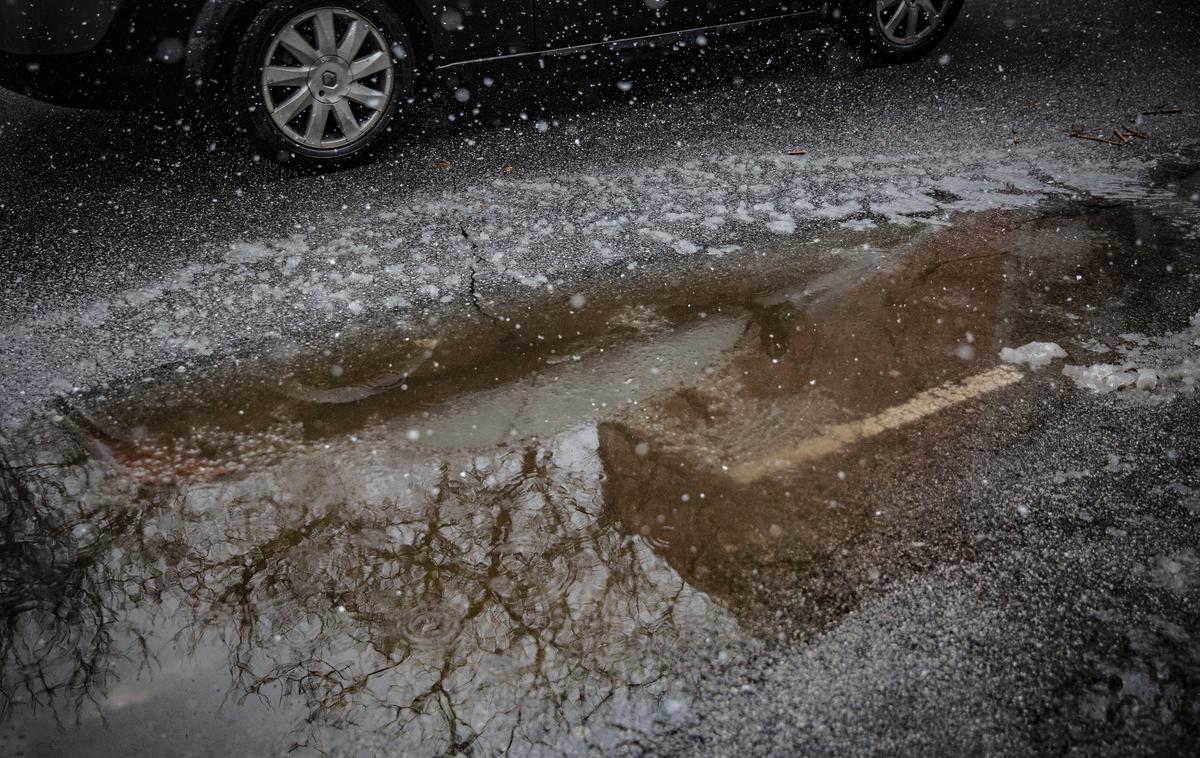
102,210
1020,574
630,526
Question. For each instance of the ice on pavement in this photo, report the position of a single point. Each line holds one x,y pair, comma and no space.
1033,354
508,234
1171,362
1101,377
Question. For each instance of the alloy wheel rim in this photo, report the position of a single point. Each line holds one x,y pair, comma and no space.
327,78
907,22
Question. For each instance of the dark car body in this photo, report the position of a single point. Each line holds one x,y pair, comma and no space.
124,53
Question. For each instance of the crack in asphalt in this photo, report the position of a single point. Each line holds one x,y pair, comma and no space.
475,297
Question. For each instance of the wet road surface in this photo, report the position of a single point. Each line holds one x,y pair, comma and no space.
128,243
629,432
800,491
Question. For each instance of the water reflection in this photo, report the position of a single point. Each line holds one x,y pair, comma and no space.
509,542
806,362
739,479
480,608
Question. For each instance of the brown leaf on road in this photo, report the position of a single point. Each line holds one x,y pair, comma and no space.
442,164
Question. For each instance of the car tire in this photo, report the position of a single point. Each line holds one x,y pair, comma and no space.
882,29
320,84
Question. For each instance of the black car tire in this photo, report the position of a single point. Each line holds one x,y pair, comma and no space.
859,23
250,93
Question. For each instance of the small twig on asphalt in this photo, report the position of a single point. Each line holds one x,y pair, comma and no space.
1078,133
1163,110
797,151
1122,135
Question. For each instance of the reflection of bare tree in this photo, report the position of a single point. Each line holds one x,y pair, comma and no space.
58,611
475,609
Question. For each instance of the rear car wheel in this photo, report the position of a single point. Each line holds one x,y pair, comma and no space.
895,30
319,83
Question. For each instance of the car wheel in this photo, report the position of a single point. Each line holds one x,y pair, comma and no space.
895,30
320,83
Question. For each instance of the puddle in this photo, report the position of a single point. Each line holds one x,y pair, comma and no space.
521,528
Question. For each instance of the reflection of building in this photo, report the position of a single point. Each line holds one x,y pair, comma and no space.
801,369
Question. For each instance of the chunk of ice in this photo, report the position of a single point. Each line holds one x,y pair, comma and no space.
1035,354
1101,377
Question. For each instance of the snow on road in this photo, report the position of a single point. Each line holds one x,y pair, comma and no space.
1170,361
510,236
126,250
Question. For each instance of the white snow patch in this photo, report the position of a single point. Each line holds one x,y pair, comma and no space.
1034,354
402,257
1100,377
782,224
1151,363
836,211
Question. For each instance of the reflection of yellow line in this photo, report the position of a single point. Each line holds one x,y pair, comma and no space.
837,437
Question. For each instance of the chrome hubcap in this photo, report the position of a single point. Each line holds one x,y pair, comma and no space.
907,22
327,78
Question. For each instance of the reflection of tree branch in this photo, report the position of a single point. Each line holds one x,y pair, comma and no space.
513,567
58,608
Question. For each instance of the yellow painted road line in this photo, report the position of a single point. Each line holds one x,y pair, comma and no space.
840,436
